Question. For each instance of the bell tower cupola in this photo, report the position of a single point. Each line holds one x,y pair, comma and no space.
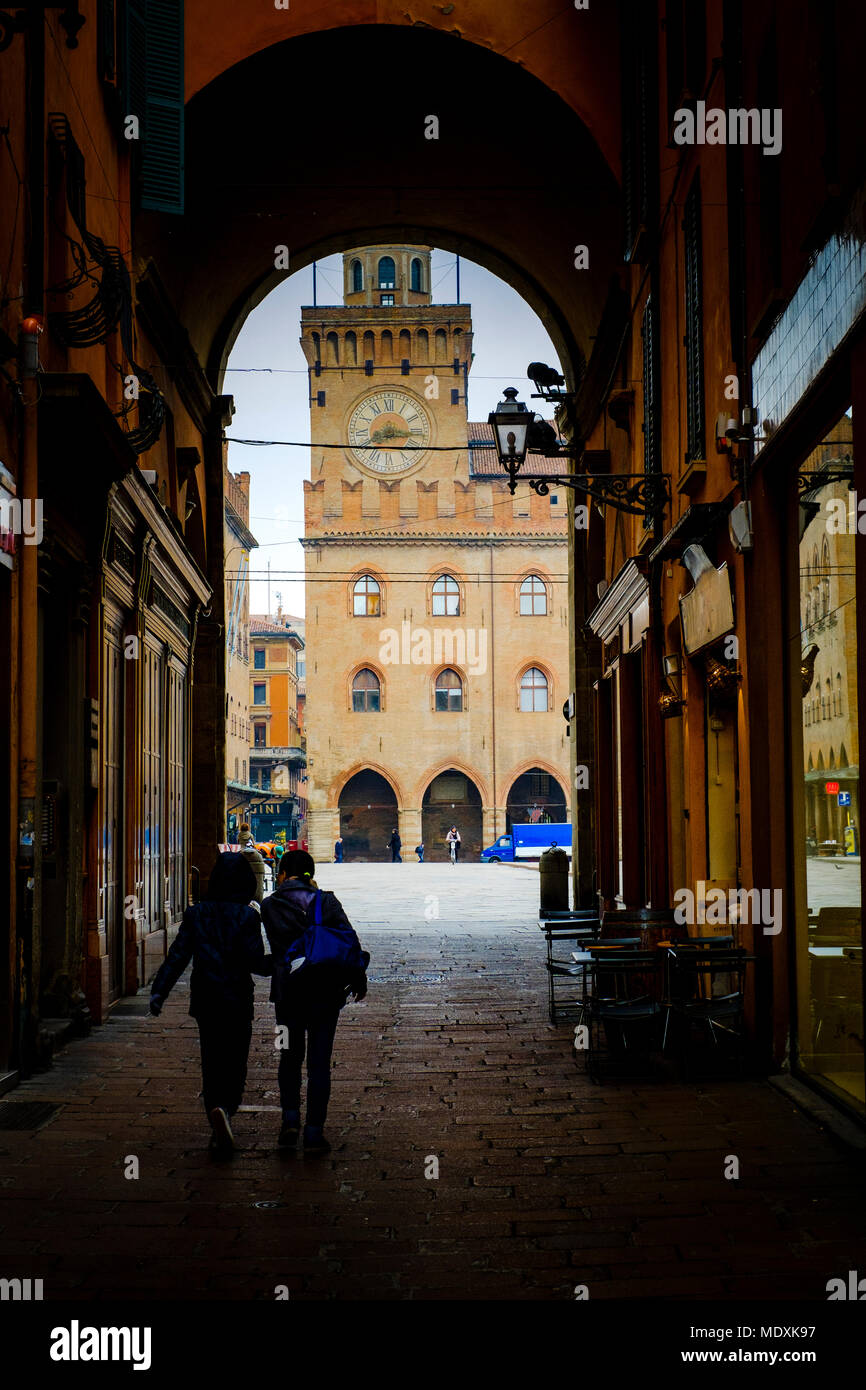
386,276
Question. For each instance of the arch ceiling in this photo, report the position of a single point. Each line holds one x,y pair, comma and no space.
308,143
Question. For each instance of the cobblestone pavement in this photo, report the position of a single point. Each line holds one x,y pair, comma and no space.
546,1181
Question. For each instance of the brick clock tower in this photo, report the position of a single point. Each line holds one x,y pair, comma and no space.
403,541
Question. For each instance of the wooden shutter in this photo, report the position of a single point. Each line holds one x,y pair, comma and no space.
694,335
651,387
163,155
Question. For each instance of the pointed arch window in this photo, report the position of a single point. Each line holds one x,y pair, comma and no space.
533,691
367,597
533,596
449,691
446,597
366,692
387,273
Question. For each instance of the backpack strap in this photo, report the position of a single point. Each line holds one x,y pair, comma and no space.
317,910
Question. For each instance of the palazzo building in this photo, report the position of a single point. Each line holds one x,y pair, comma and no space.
437,603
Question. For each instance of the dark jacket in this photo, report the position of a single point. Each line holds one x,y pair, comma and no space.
223,938
286,913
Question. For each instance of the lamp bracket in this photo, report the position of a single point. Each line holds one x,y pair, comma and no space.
639,494
823,477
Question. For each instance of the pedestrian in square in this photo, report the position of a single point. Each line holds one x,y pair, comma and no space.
249,851
222,936
419,850
395,844
338,850
308,994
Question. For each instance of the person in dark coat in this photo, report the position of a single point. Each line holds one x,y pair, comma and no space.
395,844
223,937
338,850
249,851
307,1002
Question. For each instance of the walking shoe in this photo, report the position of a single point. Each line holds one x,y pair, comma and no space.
315,1141
289,1133
222,1140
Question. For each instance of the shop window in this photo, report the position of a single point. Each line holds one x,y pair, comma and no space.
826,899
448,692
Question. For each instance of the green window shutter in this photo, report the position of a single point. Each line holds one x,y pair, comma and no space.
162,168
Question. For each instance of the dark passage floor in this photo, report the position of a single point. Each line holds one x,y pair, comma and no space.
546,1181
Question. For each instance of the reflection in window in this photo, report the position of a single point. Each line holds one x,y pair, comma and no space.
533,690
449,691
366,597
366,692
533,596
828,926
446,597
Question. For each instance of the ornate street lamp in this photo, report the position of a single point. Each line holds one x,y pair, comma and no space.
516,430
511,421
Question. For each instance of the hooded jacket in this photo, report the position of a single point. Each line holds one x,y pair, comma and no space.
222,936
286,913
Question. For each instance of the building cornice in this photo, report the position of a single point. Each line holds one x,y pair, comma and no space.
433,538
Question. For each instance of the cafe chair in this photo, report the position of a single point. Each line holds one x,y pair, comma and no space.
624,1009
704,1000
565,1004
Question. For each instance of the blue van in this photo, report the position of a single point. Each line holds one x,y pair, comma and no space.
528,842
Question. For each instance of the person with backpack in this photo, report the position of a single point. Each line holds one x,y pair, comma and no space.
223,937
395,844
249,851
419,850
318,964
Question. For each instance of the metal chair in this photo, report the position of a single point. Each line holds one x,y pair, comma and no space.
558,968
624,1004
695,1004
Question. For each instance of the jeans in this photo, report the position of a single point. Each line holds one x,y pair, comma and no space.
225,1047
316,1038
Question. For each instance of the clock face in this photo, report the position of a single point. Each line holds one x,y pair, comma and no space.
389,423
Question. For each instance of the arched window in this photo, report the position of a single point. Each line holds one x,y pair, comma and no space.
416,275
838,693
533,690
366,692
825,580
422,340
387,273
367,598
533,596
829,696
357,277
449,691
332,351
446,597
351,349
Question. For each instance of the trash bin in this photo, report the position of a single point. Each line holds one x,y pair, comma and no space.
553,880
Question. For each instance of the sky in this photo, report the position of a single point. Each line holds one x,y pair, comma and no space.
267,375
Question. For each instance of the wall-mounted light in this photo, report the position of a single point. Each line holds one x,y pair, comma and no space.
670,701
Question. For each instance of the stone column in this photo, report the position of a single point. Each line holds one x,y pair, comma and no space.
323,827
409,825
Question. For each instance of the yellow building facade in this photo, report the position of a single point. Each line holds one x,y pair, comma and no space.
437,603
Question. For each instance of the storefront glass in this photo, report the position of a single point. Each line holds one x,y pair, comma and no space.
829,1043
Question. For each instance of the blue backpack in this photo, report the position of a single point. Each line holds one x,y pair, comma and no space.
332,943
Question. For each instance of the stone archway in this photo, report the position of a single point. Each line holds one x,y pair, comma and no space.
535,795
368,814
452,798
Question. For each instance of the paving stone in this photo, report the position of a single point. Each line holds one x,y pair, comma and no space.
545,1179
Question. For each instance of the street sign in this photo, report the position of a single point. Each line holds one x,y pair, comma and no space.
844,798
831,788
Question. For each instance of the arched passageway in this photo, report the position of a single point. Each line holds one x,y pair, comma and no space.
452,798
368,814
535,796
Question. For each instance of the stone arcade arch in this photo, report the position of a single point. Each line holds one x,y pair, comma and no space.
451,798
536,794
368,814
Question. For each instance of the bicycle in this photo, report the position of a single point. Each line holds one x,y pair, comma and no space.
453,851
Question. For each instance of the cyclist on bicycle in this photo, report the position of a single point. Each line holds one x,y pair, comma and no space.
452,840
